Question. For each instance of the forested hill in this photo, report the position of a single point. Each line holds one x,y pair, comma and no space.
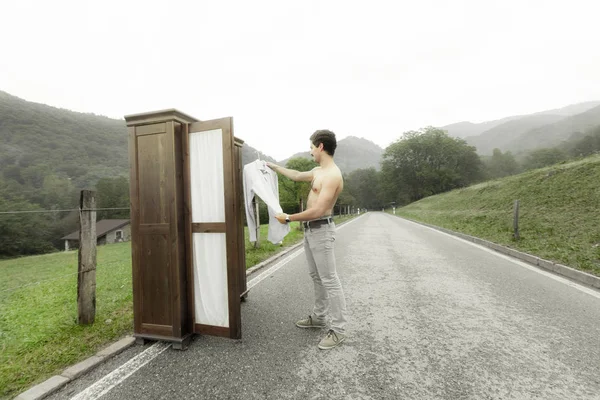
37,138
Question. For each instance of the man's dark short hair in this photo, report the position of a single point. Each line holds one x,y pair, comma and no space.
327,138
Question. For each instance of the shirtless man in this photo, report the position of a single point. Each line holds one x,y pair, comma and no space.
319,237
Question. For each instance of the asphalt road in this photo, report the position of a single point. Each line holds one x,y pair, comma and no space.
430,317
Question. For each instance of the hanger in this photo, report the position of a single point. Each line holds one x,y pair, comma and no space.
263,165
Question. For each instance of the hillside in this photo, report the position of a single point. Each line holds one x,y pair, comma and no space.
502,135
572,109
554,134
559,210
80,146
465,129
492,134
250,154
352,153
83,147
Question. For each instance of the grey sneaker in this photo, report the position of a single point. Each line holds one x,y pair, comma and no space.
309,323
332,340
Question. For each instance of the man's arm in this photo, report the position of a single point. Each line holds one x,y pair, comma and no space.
298,176
324,203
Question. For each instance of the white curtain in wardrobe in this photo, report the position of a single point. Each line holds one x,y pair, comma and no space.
208,205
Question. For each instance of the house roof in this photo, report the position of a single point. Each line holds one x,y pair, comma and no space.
102,228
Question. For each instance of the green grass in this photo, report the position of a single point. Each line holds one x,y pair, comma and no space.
267,249
39,334
559,212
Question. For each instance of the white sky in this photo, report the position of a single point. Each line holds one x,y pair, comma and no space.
283,69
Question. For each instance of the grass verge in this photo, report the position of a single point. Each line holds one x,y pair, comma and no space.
558,213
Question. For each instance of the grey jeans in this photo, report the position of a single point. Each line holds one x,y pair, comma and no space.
329,295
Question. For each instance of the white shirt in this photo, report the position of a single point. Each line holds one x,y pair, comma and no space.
262,181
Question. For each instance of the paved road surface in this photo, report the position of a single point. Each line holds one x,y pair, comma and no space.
430,317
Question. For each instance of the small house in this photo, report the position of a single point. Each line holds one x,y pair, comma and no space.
107,231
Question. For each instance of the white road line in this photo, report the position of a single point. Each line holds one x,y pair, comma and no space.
550,275
107,383
111,380
253,282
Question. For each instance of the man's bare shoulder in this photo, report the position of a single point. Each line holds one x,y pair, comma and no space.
333,173
316,172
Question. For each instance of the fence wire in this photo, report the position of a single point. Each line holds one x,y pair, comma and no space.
65,210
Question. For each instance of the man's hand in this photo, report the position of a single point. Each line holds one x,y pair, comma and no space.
272,166
281,218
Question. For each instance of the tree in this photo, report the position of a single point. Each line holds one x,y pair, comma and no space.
363,186
295,193
544,157
13,172
428,162
586,145
346,198
34,175
57,193
112,193
501,165
22,234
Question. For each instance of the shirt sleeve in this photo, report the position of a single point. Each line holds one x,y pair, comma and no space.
248,196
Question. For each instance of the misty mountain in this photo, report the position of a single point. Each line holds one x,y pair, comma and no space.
352,153
572,109
250,154
511,133
504,134
465,129
551,135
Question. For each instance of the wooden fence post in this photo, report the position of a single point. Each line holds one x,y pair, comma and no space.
516,220
86,268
